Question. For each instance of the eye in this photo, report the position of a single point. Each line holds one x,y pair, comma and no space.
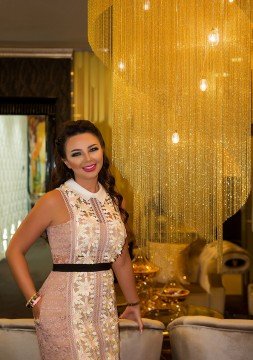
95,148
75,154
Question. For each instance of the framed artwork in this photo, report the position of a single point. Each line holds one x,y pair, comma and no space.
37,154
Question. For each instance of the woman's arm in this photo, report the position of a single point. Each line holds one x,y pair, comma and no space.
123,270
27,233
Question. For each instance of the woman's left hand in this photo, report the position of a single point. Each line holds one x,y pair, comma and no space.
133,313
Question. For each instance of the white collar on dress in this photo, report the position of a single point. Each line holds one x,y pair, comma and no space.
99,195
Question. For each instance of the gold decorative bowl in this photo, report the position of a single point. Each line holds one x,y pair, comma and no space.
142,266
140,269
173,293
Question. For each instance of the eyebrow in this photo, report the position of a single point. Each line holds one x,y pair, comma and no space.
90,146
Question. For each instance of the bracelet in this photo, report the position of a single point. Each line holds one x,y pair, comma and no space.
133,304
33,300
36,301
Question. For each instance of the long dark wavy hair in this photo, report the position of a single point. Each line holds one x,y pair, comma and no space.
62,173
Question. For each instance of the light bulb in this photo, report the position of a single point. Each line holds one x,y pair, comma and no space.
146,5
121,65
175,137
230,1
5,244
5,234
104,50
203,85
5,239
214,37
12,229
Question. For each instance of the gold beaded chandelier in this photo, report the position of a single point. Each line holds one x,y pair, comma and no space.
182,110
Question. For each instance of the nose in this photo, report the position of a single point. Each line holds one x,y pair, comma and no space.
87,156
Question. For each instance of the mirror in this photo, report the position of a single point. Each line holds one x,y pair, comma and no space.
26,159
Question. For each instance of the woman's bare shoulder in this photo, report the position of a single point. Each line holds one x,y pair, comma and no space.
51,199
50,209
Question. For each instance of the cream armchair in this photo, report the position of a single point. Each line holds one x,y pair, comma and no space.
18,340
206,338
137,346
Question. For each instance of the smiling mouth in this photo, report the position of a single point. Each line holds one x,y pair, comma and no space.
89,168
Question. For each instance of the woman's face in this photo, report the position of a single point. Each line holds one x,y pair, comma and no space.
84,155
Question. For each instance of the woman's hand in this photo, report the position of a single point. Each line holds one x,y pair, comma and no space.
133,313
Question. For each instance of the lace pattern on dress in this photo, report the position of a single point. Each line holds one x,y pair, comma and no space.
54,330
73,228
78,310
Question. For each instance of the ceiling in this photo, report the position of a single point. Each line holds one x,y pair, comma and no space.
59,24
44,24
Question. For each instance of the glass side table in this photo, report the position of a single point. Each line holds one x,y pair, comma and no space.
177,310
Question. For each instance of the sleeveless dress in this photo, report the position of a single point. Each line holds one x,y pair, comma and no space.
78,317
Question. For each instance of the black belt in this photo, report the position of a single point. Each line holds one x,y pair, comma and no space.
82,267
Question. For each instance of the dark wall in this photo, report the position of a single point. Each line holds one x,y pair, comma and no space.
44,78
232,229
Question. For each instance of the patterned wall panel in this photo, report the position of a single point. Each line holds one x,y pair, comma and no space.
35,77
13,177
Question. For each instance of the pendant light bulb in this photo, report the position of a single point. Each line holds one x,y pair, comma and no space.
203,85
175,137
146,5
121,65
214,37
104,50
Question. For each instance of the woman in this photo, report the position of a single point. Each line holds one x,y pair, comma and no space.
74,311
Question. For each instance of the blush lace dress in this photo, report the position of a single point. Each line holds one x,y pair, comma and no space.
78,318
